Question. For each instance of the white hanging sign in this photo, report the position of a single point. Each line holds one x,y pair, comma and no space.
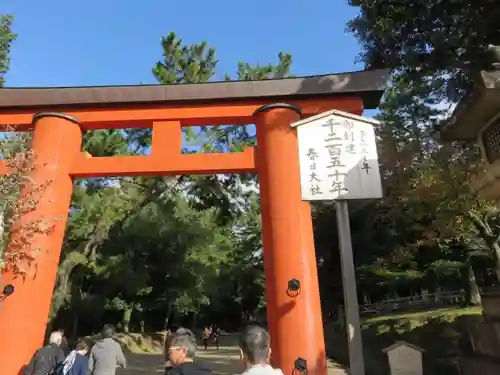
338,157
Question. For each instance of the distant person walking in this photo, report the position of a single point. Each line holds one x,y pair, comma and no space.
106,355
216,335
255,346
206,337
181,353
46,359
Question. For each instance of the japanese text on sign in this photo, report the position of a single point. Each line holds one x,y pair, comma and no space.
338,159
314,180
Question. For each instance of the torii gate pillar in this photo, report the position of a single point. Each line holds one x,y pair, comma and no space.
295,320
56,141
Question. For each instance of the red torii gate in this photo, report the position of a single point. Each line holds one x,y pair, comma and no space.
59,116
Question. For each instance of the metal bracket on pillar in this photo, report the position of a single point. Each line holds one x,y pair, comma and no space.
7,291
267,107
293,289
300,366
39,115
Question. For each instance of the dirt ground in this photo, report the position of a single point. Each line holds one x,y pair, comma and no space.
224,361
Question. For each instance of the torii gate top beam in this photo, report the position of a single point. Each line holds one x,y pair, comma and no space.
212,103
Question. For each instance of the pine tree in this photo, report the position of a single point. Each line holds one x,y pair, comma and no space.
6,39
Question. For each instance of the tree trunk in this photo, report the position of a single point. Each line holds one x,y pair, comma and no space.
168,313
496,253
78,294
472,296
194,321
75,325
127,314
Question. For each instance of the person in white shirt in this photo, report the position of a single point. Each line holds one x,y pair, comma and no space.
255,350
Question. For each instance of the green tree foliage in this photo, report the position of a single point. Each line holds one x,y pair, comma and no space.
433,50
6,39
435,45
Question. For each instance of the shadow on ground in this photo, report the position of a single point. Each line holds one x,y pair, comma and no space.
224,361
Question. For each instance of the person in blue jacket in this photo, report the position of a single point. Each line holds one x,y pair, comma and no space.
77,362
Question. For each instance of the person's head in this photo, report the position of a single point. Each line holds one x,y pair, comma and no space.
170,337
82,347
184,331
255,345
108,331
182,347
55,338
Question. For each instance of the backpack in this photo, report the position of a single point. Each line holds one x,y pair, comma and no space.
58,369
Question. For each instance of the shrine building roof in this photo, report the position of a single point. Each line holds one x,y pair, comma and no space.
478,108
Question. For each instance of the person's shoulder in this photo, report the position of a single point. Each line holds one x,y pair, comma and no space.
50,349
43,349
190,368
40,352
201,368
81,357
197,368
263,370
176,370
116,343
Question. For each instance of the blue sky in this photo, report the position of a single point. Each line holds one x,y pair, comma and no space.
73,43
